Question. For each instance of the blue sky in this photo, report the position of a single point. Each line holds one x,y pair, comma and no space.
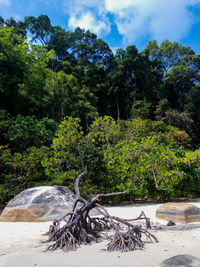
118,22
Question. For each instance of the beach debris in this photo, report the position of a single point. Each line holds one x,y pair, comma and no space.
77,227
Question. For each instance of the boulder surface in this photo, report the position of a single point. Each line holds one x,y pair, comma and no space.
178,212
181,260
39,204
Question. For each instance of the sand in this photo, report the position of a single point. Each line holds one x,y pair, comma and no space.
20,245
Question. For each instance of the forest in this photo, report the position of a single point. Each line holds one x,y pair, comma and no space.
134,115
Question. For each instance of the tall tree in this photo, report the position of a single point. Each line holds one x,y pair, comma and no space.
40,28
13,64
67,98
180,68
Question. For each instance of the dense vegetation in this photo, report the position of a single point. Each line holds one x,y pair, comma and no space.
135,114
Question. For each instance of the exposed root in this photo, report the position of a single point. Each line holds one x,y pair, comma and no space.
83,229
126,241
79,228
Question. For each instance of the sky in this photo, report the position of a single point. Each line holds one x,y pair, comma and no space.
118,22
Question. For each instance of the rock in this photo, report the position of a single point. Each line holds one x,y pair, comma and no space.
178,212
170,223
39,204
181,260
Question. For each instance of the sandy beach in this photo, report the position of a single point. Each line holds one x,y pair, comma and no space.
21,245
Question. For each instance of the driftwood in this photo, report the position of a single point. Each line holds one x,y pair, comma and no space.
80,228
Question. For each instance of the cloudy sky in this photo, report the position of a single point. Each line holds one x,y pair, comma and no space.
118,22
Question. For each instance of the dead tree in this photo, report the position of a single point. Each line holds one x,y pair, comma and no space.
81,228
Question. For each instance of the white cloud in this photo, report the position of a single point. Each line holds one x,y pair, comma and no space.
160,19
166,19
5,2
88,14
88,21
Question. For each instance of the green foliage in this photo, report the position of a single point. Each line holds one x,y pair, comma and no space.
23,72
169,54
151,169
181,120
13,58
71,149
66,98
141,109
39,27
138,129
104,130
180,68
81,78
20,171
22,132
62,166
162,107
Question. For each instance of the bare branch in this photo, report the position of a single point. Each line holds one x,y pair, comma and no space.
98,196
77,181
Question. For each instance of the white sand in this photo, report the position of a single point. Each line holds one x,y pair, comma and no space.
20,245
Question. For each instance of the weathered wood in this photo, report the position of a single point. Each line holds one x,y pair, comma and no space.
79,228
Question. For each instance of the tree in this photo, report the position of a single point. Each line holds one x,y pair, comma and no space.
19,26
40,28
181,120
32,89
169,54
180,67
79,228
120,81
22,132
19,171
88,49
192,108
2,21
64,163
152,168
132,78
67,98
142,109
60,42
23,73
13,64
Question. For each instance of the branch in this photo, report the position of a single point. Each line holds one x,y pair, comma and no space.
96,197
77,181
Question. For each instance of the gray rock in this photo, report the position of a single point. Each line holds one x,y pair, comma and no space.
181,260
178,212
39,204
171,223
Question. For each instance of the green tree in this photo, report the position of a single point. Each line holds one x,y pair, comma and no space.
13,64
67,98
71,151
40,28
22,132
23,70
132,78
180,68
19,26
20,171
151,169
